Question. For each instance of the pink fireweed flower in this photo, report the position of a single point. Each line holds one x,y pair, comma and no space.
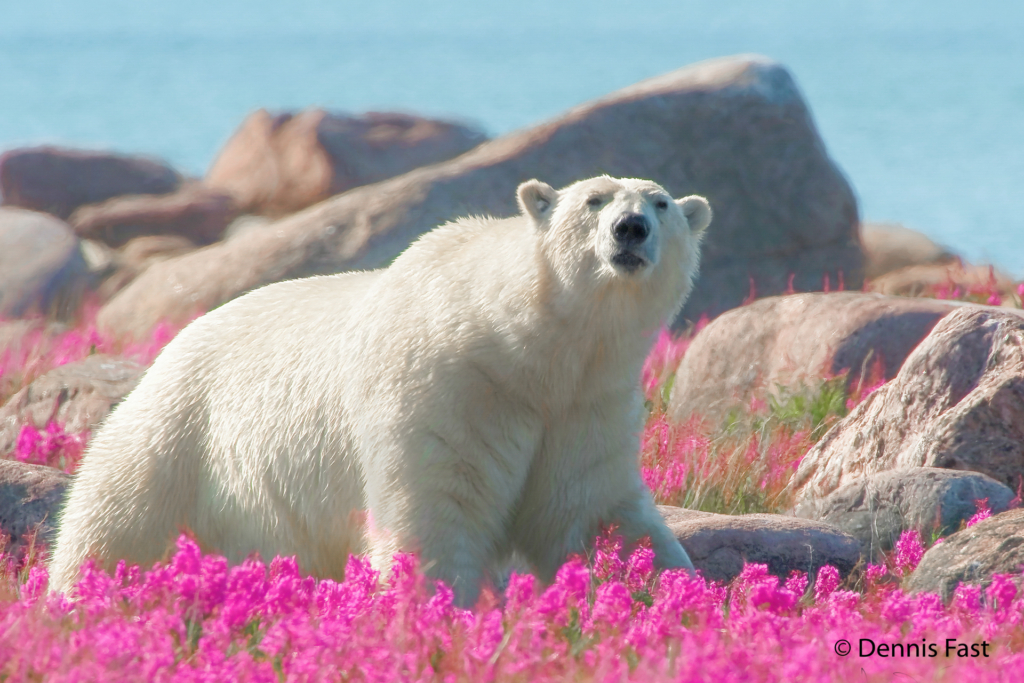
440,606
868,383
967,600
613,618
35,586
519,592
753,451
664,357
797,582
672,455
1001,592
757,405
994,298
909,550
757,629
52,447
613,604
756,589
875,577
752,293
44,347
983,512
640,568
486,635
607,561
288,588
566,598
574,576
826,583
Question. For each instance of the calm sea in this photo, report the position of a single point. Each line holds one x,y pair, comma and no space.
921,102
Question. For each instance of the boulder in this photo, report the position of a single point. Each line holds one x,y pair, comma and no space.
30,497
276,165
789,341
196,213
992,546
877,508
138,254
58,180
957,403
735,130
244,224
141,252
77,395
890,246
954,279
41,266
719,545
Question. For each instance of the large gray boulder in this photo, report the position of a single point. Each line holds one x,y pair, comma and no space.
59,180
76,395
278,164
945,280
878,508
41,266
719,545
30,498
992,546
125,263
958,403
196,213
891,246
735,130
792,341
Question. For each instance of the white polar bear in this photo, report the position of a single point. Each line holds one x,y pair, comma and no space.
477,397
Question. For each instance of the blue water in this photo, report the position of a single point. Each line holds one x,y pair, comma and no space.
920,102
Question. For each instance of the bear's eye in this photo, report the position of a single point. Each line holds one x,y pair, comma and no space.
595,201
661,205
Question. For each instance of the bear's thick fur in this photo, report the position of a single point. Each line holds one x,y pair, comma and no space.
477,397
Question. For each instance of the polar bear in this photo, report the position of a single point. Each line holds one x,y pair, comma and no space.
480,396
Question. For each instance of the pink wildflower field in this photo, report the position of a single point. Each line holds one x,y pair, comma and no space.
607,617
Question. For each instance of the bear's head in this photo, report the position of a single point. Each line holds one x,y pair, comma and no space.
622,233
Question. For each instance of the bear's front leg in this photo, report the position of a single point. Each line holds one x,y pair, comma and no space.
587,477
637,517
450,501
457,551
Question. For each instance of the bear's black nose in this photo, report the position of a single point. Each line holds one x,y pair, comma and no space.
631,230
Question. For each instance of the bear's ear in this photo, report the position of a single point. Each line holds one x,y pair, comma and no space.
697,212
536,200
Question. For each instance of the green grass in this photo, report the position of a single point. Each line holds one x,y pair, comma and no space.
744,464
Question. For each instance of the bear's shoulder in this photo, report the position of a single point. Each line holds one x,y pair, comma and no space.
470,237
